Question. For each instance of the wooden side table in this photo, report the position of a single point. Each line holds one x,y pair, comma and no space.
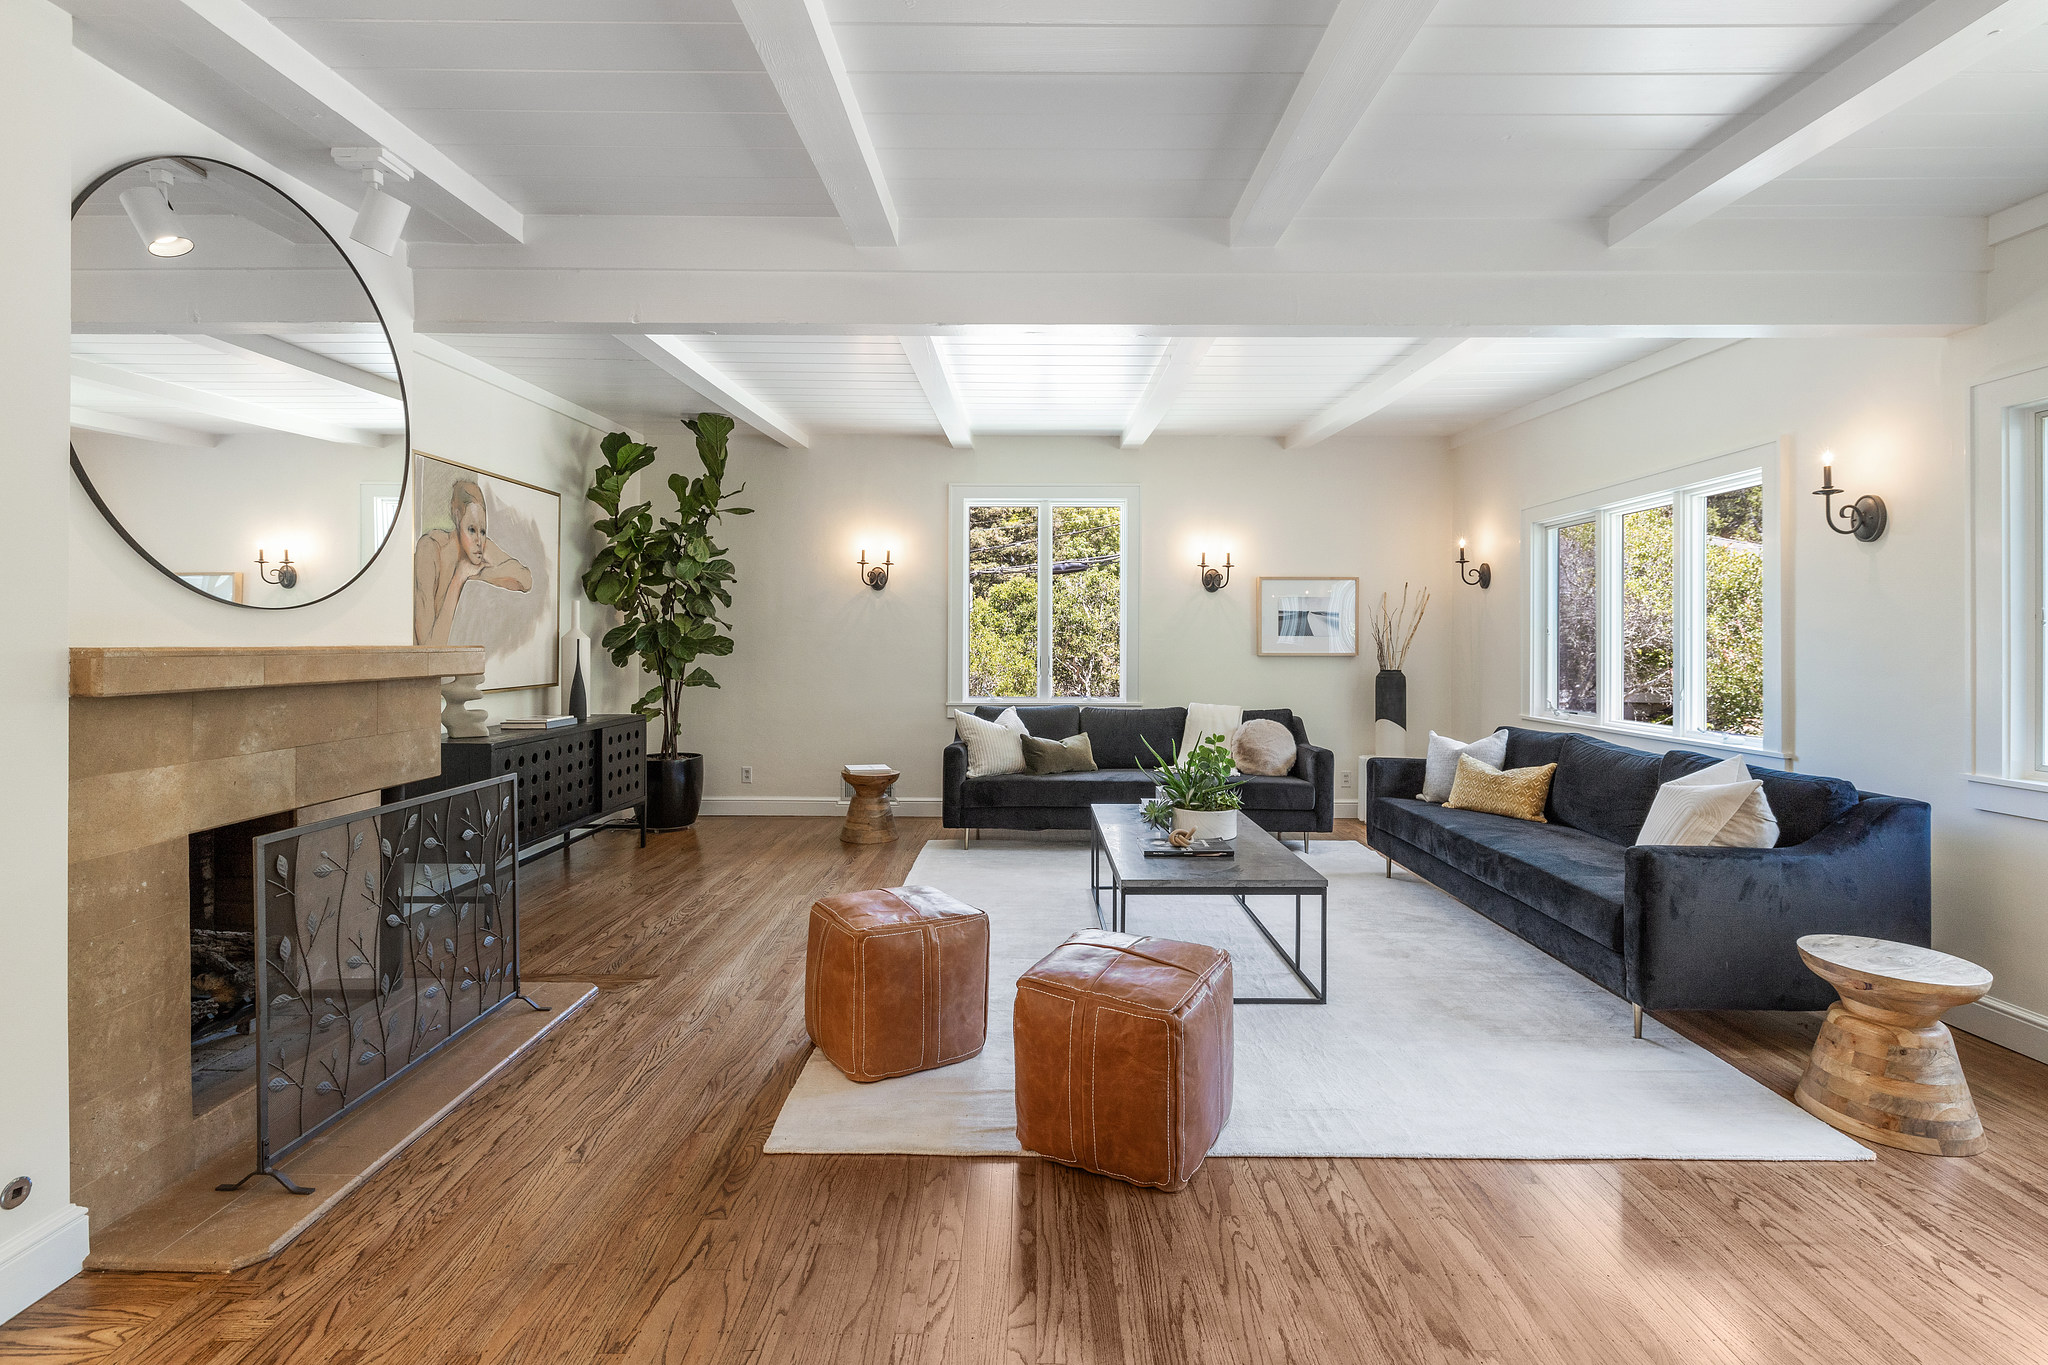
869,820
1885,1068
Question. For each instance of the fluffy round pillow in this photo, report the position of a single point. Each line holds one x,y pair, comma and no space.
1263,748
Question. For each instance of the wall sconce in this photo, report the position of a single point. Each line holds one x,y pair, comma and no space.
1864,519
876,576
1483,579
285,575
1213,579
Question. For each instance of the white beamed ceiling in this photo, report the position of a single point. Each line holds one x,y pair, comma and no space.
1066,164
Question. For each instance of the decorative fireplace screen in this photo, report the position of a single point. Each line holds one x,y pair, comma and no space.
381,937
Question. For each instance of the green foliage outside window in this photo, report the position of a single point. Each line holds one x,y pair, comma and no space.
1086,591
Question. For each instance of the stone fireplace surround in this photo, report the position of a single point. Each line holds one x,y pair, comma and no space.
166,743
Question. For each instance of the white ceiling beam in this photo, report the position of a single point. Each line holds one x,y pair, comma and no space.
141,429
2022,217
222,61
1177,365
1670,358
941,390
93,374
795,41
680,361
282,355
1364,42
1428,360
1939,40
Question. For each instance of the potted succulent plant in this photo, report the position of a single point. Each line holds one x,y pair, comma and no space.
669,583
1202,789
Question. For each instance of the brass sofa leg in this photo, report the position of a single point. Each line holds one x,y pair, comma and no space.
1639,1020
1390,865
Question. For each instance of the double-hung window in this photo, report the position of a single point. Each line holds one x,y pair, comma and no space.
1043,594
2009,535
1655,607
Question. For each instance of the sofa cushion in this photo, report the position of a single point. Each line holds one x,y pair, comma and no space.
1572,875
1119,734
1533,748
1046,722
1603,788
1278,793
1804,803
1105,786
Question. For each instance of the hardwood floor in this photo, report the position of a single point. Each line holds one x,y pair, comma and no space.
609,1200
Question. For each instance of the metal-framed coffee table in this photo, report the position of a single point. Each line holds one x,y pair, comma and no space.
1263,866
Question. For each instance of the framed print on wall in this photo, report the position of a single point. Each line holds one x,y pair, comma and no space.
1311,617
487,570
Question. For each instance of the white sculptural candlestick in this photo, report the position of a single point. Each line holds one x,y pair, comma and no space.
456,716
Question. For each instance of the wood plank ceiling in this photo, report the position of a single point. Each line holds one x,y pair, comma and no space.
943,117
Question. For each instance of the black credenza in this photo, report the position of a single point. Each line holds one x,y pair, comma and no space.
570,777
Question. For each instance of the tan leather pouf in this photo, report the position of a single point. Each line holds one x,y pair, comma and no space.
896,981
1124,1056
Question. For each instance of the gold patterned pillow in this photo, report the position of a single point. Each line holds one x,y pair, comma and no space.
1518,792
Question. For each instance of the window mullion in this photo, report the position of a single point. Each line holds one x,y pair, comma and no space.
1688,613
1608,552
1045,516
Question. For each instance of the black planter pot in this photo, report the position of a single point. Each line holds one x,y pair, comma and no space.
675,790
1390,696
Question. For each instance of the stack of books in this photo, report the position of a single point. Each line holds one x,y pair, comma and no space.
536,722
1200,848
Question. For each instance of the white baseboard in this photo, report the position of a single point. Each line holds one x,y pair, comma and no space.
906,807
2004,1023
41,1257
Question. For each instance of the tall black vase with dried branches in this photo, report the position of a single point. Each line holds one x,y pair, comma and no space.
1393,631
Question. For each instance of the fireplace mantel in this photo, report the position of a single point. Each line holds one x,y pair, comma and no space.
166,743
149,671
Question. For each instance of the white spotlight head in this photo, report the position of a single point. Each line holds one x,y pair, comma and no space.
149,208
381,217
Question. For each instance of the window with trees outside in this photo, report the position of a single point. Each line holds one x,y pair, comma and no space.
1651,613
1044,590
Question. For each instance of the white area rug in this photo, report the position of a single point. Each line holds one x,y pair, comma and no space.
1445,1036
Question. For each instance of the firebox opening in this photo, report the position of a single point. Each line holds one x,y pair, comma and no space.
223,876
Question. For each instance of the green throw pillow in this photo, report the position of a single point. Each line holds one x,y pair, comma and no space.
1058,755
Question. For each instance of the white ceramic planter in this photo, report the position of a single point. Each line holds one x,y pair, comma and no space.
1206,824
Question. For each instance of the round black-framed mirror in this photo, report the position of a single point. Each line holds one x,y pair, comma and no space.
236,394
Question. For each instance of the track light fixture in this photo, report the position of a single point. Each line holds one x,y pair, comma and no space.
381,218
156,222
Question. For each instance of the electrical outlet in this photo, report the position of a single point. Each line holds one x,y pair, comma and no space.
746,776
1344,782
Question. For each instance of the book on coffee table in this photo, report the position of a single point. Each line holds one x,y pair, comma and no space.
1200,848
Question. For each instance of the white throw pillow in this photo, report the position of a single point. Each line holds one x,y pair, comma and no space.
1208,718
993,749
1691,816
1754,826
1010,720
1442,763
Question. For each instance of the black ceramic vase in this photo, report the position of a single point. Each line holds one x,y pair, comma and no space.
1390,696
675,791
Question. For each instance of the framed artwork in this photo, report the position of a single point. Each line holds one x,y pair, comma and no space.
1314,617
486,570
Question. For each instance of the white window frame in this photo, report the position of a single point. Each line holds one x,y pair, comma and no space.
2009,572
958,599
1686,491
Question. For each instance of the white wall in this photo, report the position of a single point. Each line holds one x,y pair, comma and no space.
827,671
1880,672
43,1241
117,599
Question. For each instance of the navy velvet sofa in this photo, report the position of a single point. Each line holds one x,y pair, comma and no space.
1666,927
1297,803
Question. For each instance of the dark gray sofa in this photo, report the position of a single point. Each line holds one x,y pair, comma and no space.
1298,803
1663,927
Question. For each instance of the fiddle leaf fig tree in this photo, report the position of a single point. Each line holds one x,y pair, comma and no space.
667,578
